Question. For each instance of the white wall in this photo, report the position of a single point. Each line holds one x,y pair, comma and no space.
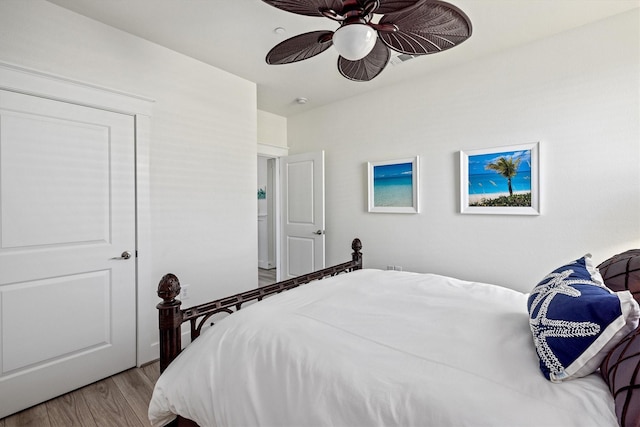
202,152
578,93
272,129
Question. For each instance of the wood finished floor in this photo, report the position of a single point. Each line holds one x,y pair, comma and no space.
120,400
266,277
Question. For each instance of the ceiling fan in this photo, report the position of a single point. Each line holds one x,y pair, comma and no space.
414,27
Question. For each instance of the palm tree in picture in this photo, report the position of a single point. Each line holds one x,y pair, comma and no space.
505,167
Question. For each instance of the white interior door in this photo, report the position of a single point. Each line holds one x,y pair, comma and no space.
302,213
67,213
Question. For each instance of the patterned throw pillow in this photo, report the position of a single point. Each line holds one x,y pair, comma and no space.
621,371
622,272
576,320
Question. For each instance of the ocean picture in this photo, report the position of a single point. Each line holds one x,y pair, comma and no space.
501,180
393,185
500,175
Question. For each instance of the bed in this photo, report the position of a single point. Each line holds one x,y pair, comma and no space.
373,347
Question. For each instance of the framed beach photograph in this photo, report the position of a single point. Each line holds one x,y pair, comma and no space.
393,186
502,180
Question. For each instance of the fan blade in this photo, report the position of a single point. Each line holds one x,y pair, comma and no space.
306,7
429,27
300,47
368,67
393,6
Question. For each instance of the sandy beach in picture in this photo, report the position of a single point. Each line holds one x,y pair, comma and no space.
476,198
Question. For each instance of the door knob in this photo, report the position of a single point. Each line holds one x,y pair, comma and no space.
319,232
124,255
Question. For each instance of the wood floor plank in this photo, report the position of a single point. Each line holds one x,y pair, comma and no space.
136,389
108,406
122,400
266,277
151,370
70,410
35,416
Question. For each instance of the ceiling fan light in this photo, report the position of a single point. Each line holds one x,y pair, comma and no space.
354,41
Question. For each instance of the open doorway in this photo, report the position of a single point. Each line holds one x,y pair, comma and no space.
267,220
291,231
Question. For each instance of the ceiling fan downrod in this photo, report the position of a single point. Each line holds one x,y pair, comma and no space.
352,12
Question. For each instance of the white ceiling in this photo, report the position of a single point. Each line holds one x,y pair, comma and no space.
235,35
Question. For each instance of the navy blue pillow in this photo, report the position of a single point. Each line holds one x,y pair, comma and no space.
575,320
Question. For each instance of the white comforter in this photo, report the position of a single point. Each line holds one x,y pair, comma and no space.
374,348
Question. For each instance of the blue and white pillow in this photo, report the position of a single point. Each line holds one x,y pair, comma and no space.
576,320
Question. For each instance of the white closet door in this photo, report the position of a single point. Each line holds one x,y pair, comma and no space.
67,213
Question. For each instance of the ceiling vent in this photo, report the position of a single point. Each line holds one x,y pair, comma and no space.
399,58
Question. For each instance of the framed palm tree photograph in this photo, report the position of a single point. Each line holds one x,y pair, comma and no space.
500,180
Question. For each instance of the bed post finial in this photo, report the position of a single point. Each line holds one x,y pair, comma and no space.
170,319
169,287
356,256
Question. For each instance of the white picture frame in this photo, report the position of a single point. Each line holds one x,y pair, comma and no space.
488,184
394,186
